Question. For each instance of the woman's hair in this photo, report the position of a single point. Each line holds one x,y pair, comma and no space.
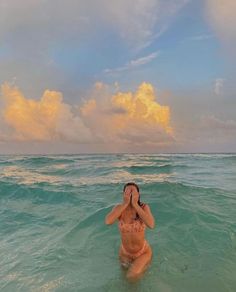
137,187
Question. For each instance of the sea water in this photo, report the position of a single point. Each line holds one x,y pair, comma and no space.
53,236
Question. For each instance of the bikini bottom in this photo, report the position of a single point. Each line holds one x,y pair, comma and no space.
135,255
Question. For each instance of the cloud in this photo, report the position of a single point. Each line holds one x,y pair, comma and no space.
205,132
214,130
123,117
140,22
46,119
49,22
201,37
222,16
224,127
128,117
218,86
134,63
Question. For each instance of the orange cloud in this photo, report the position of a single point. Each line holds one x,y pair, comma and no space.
88,107
118,118
45,119
142,108
128,117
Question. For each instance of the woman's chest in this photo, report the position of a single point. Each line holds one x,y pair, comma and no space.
128,217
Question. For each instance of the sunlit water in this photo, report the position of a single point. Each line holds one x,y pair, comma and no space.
53,236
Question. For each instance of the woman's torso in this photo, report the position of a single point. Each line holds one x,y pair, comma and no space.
132,230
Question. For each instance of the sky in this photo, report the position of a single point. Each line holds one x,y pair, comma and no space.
127,76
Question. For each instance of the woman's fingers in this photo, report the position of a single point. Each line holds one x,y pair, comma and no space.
127,194
128,191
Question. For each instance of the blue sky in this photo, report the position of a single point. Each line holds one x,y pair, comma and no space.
184,49
188,54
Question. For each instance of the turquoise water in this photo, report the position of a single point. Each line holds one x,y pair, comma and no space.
53,236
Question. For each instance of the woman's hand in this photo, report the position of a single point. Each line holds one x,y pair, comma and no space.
135,196
127,195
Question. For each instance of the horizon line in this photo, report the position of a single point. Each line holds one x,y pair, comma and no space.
117,153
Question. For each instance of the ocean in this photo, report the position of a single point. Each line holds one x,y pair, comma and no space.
53,236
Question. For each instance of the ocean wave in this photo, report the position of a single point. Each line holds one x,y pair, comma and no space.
87,225
137,169
44,160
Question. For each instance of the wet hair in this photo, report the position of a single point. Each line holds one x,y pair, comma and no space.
137,188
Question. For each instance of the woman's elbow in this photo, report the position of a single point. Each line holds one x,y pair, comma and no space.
108,221
151,225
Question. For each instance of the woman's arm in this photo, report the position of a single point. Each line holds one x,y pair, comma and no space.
115,213
145,215
118,209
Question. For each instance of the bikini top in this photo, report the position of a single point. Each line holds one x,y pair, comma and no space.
137,226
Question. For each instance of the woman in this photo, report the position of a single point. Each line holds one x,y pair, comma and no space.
133,215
